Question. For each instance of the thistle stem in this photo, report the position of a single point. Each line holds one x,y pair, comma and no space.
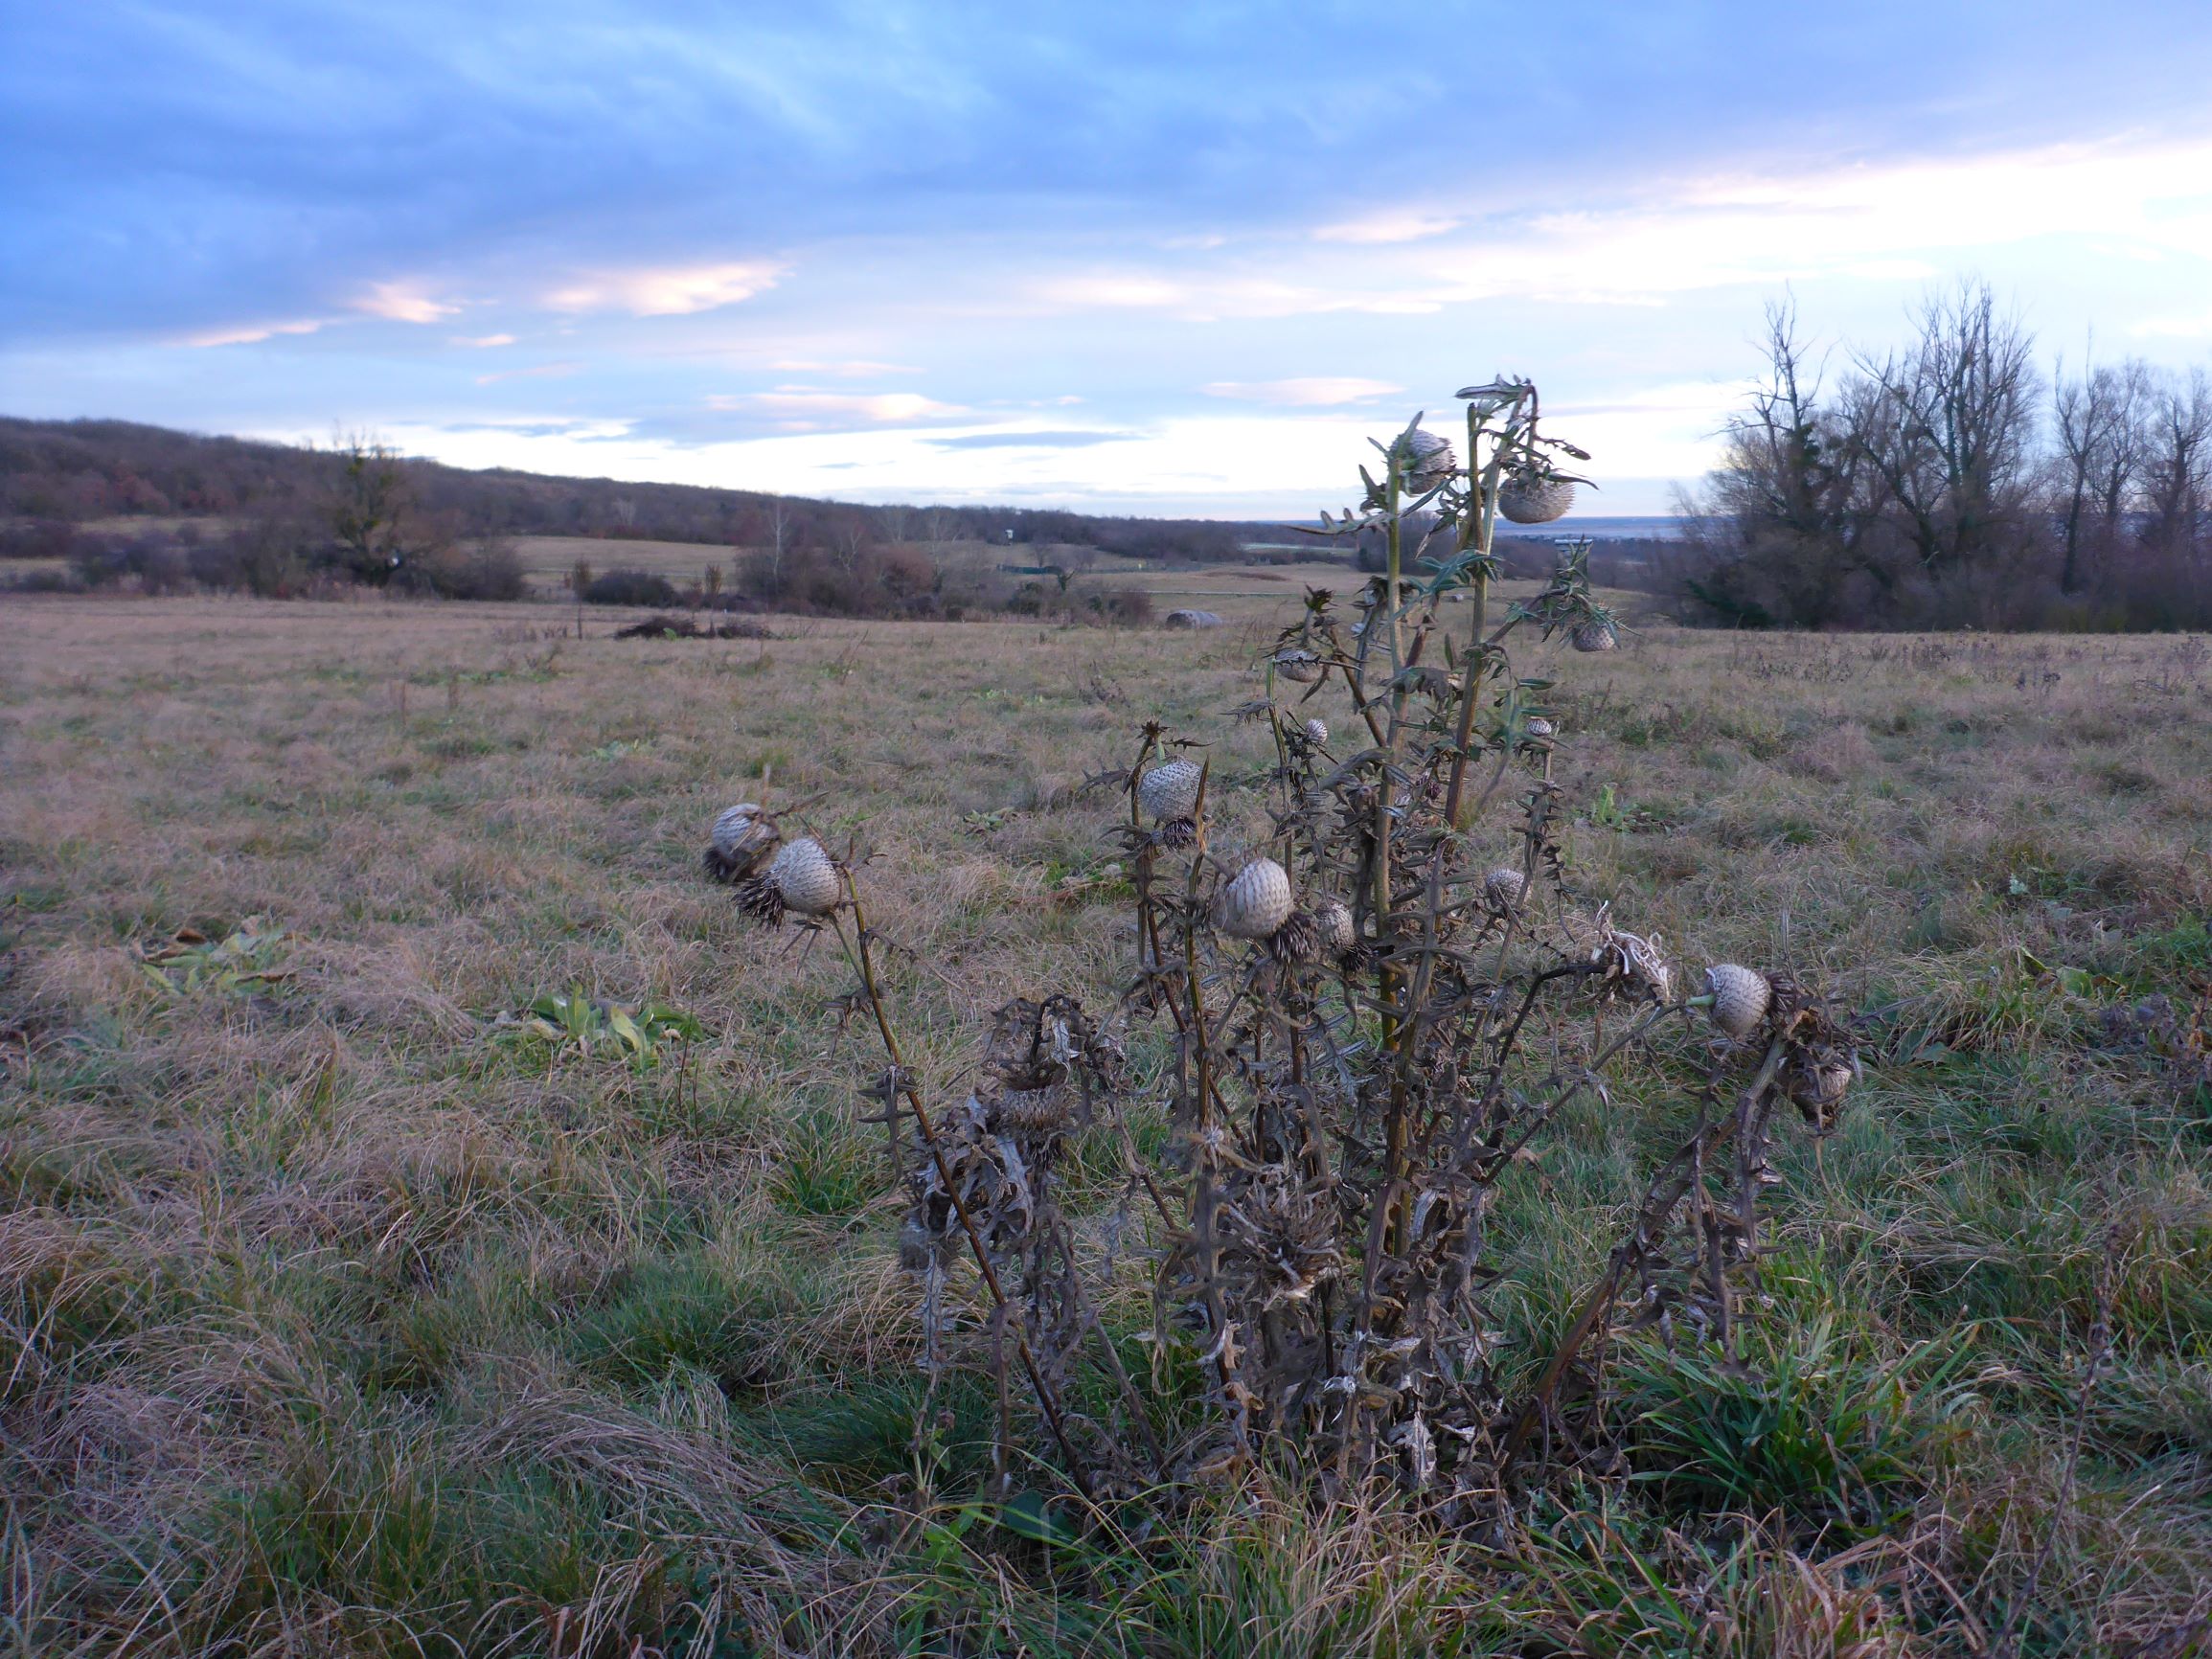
863,960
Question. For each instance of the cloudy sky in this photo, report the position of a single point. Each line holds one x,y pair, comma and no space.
1129,257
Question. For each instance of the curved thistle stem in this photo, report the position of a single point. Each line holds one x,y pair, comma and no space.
858,953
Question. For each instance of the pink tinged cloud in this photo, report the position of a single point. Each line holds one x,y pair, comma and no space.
665,291
252,334
403,302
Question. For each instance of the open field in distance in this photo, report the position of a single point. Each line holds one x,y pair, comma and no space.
340,1314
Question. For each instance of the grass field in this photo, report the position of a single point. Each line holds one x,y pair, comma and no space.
1240,591
342,1313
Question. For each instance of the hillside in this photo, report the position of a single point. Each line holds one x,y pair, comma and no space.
95,472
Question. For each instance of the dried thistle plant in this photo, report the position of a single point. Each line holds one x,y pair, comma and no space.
1362,1009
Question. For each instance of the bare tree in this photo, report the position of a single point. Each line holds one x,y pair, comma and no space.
1780,528
2097,429
850,538
1950,430
2178,469
779,513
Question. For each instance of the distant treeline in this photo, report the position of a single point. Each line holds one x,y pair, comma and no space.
1951,484
57,474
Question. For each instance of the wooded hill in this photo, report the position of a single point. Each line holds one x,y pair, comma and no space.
71,472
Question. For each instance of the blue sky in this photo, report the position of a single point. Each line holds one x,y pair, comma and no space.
1127,257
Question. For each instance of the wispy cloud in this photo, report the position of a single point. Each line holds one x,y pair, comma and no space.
806,409
858,369
484,342
542,372
1406,226
665,291
1312,392
1032,440
403,302
251,333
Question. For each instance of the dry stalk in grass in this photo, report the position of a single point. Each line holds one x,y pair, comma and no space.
1364,1036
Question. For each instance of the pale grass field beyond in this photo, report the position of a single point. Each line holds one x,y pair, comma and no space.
276,1264
1229,588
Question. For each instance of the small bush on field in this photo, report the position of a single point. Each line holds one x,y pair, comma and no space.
630,587
486,569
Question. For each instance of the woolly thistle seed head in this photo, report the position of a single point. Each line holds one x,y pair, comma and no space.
1256,901
1171,792
1424,459
1504,887
740,839
1316,731
1045,1111
1594,636
1301,666
1333,920
803,877
1740,996
1816,1089
1530,497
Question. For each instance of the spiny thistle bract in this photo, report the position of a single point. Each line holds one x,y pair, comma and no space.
1302,666
1256,901
1740,995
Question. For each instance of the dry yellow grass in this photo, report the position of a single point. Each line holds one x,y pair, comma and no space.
337,1315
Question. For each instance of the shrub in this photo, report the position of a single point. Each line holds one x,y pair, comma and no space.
486,569
638,587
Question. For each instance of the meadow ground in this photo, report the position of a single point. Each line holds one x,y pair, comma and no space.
341,1311
1237,591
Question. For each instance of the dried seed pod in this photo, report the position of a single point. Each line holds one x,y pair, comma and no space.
1817,1087
803,877
1594,636
1316,731
1739,997
757,899
1298,940
1538,726
1530,497
1171,792
1297,665
1504,887
1333,920
1427,460
738,841
1043,1111
1255,902
1641,965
